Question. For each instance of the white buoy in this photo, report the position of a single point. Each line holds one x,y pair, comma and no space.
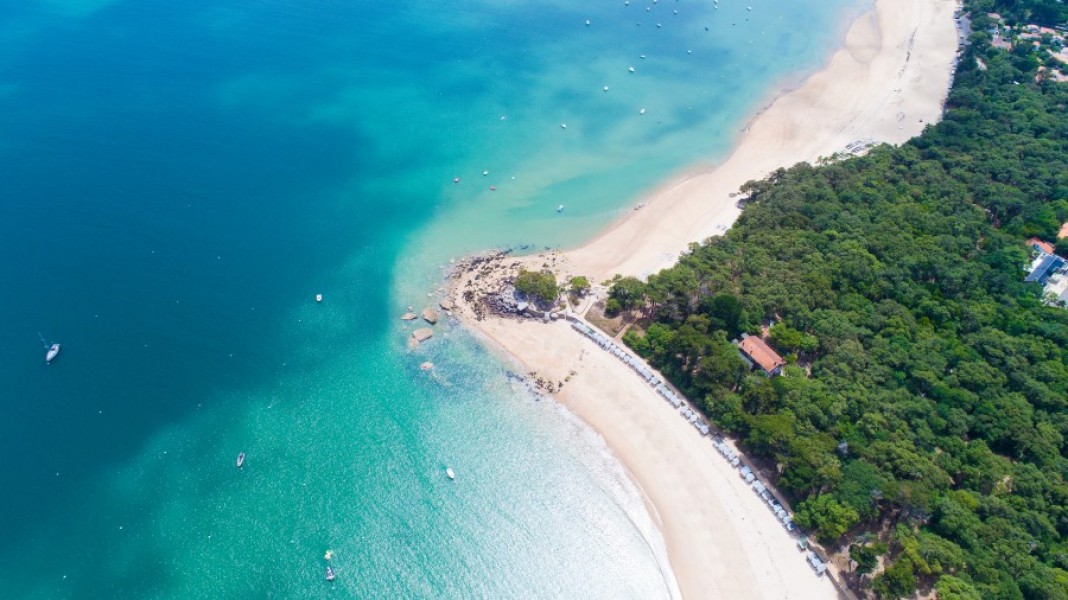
563,125
641,112
631,69
605,88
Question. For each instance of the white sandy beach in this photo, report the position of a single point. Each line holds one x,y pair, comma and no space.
886,83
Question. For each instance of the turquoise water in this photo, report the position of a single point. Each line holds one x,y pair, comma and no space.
179,178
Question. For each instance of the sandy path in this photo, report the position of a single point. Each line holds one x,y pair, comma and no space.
886,83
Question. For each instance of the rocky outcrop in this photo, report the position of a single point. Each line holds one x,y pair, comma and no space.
430,315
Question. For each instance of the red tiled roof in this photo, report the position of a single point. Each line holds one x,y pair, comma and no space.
1043,246
761,353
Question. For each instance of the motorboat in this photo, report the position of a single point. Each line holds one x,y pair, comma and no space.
450,473
330,574
318,297
240,460
560,208
53,350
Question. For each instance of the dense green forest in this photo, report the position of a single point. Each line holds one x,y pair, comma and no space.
922,423
1040,12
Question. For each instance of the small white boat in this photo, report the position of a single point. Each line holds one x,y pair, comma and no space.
563,125
53,350
240,459
449,473
641,112
318,297
330,574
560,208
631,69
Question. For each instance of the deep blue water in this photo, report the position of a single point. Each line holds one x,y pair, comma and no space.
179,178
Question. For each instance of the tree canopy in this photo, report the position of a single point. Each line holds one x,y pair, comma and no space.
932,407
540,287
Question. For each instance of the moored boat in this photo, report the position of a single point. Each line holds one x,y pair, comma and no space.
240,459
449,473
330,574
53,350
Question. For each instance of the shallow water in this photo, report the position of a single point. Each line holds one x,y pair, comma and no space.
180,179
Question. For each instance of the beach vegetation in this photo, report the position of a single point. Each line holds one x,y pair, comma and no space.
924,429
579,285
867,556
612,308
538,286
1062,246
955,588
825,515
628,294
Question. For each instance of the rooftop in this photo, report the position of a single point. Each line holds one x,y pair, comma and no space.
761,353
1044,267
1040,245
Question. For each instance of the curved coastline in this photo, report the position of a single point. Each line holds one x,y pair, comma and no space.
885,84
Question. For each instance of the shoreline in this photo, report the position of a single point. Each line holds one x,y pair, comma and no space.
887,80
885,83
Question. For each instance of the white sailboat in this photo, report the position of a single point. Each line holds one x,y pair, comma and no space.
51,350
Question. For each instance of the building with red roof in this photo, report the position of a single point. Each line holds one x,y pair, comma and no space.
761,354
